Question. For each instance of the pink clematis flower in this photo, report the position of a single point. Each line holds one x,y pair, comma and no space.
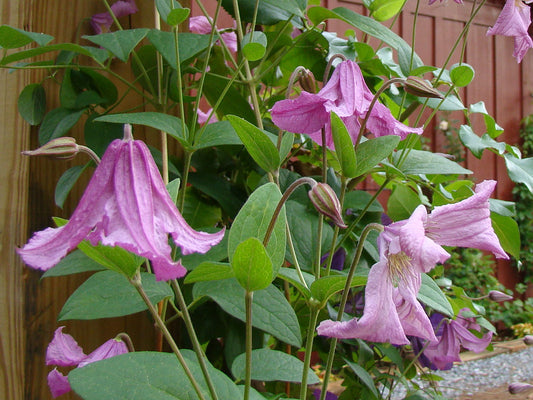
202,25
452,334
347,94
514,21
102,22
64,351
407,249
125,204
433,1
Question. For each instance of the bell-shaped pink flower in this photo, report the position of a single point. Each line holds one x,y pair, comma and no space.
347,94
101,23
125,204
64,351
202,25
433,1
514,21
407,249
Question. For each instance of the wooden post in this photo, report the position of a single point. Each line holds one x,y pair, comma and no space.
14,138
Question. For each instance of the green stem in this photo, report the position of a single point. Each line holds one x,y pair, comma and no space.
344,299
308,350
248,344
192,336
184,179
136,282
337,229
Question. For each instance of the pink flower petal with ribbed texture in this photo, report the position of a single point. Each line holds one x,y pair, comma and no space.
58,383
380,321
382,123
101,23
109,349
304,114
466,223
125,204
63,350
514,21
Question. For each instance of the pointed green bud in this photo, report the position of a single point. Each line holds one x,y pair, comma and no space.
63,147
421,88
326,202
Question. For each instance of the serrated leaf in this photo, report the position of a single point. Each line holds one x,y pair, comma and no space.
431,295
32,103
260,147
108,294
272,365
270,309
120,43
253,220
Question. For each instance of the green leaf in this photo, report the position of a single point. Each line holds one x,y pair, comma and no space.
108,294
461,74
290,275
507,231
287,142
402,203
322,289
425,162
344,148
98,135
66,182
383,10
73,263
477,144
493,129
57,123
148,375
269,12
164,122
272,365
260,147
198,213
12,38
232,103
254,45
251,265
364,376
164,7
32,103
431,295
177,16
214,255
120,43
217,134
210,271
373,151
450,103
271,311
189,45
372,28
21,55
520,171
253,220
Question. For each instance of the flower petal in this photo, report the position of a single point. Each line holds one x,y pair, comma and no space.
109,349
304,114
58,383
382,123
63,350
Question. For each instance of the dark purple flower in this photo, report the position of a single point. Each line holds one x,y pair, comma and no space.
329,395
337,262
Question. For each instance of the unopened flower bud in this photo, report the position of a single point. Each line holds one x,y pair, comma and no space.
519,387
421,88
63,147
528,339
326,202
496,295
307,81
443,125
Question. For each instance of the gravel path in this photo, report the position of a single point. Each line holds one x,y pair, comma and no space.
477,375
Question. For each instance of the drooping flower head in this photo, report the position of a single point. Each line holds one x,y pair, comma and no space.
202,25
101,23
125,204
451,336
407,249
514,21
346,94
64,351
